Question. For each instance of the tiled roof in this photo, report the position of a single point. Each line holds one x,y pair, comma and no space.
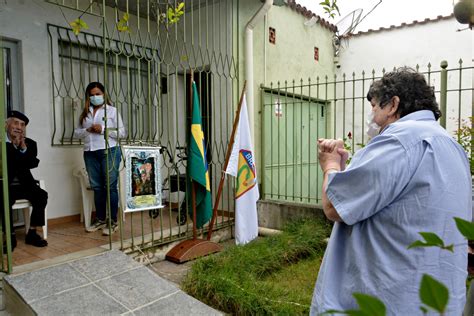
308,13
393,27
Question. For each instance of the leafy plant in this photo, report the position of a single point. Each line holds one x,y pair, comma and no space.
433,294
173,14
466,228
77,25
122,24
431,240
330,8
368,306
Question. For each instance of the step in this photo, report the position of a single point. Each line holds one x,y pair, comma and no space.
107,283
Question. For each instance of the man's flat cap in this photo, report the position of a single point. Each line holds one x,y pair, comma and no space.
18,115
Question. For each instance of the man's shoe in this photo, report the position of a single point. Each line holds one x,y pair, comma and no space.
32,238
96,225
113,229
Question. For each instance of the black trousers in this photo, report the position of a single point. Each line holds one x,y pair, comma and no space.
37,197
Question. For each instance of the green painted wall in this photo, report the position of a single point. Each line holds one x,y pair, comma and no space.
290,58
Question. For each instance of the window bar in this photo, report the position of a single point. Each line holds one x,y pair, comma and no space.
318,115
459,97
308,197
301,106
334,114
363,107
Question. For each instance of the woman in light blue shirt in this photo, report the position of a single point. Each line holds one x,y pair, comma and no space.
91,129
412,177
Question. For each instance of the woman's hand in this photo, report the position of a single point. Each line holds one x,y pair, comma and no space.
95,128
332,154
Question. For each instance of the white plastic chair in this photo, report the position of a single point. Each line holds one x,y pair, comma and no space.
25,205
87,195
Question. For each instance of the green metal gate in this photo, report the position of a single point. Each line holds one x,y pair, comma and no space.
291,171
292,124
146,52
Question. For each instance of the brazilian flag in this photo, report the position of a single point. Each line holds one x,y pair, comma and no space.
197,167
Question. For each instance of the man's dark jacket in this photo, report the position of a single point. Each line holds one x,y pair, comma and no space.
19,164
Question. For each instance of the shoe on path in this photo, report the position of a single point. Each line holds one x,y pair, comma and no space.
95,226
113,229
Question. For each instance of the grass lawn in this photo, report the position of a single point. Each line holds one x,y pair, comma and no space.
271,275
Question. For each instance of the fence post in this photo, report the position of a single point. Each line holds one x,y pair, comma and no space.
443,92
4,175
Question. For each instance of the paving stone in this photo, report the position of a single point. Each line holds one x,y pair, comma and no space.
177,304
137,287
86,300
106,264
110,283
41,283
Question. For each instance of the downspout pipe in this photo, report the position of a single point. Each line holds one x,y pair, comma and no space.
248,57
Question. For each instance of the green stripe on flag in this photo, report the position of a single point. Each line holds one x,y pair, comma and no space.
198,168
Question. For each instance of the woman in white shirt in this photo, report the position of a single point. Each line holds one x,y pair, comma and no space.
91,130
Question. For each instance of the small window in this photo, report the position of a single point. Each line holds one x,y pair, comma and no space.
11,72
272,35
316,54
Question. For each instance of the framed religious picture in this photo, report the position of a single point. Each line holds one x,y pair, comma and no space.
143,179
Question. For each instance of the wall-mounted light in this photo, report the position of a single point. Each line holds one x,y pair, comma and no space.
311,22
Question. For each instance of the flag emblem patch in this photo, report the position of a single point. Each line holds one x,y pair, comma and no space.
246,178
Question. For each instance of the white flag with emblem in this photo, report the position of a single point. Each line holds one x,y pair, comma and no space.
242,166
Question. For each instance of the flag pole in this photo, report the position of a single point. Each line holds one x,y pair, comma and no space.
193,191
227,157
192,248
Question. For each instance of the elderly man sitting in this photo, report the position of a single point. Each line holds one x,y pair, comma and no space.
21,157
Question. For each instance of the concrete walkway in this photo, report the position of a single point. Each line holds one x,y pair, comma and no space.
110,283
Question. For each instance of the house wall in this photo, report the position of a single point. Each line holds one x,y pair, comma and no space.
411,45
420,44
290,58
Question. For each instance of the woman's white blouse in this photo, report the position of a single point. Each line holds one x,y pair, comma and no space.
93,141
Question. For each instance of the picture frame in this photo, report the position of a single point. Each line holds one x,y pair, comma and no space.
143,189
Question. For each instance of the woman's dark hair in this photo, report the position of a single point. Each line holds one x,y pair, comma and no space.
87,102
410,87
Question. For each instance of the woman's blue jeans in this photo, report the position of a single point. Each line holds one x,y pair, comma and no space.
96,168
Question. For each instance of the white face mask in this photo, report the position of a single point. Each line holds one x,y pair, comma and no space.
373,128
97,100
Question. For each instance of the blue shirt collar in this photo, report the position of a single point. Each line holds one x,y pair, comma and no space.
422,115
